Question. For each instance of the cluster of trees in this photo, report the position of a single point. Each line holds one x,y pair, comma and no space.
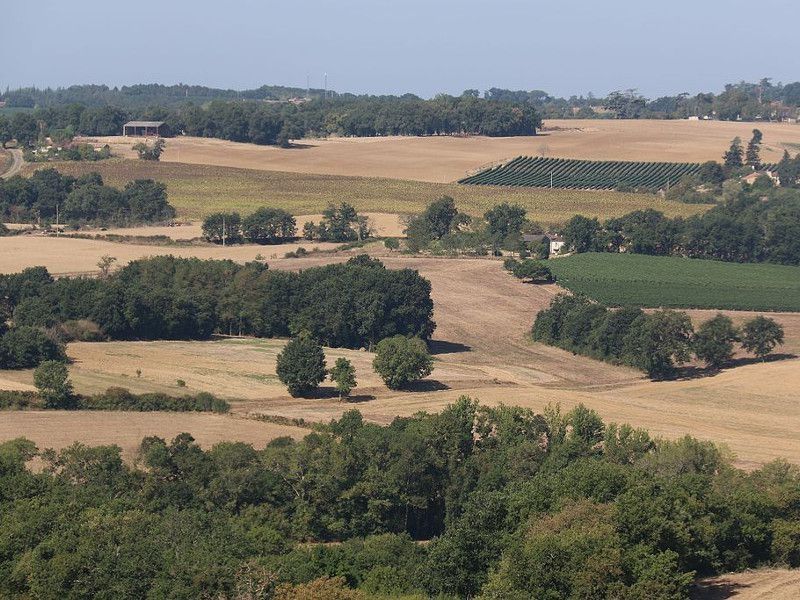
442,228
48,194
516,505
752,225
654,342
276,123
354,305
147,152
529,269
276,226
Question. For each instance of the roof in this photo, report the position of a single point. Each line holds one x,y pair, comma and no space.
144,123
532,237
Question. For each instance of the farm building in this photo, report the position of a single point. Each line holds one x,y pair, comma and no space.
554,241
145,128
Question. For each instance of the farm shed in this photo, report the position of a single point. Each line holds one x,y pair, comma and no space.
144,128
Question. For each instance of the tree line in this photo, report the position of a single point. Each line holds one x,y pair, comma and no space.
515,505
48,194
655,343
276,123
752,225
351,305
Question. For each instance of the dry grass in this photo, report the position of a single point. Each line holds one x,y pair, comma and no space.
197,190
58,429
446,159
762,584
482,350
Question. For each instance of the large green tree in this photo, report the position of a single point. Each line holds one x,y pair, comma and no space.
713,342
301,365
399,360
760,335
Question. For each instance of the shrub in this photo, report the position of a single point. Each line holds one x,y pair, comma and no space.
18,400
301,365
400,360
117,398
532,270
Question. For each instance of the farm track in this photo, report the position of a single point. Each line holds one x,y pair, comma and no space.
16,163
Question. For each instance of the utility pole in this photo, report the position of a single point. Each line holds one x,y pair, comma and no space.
58,229
224,231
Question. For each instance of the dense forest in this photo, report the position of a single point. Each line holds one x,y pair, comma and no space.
84,200
516,505
353,305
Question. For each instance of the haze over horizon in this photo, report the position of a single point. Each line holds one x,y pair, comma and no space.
422,48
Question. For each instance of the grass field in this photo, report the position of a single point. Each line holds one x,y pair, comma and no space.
658,281
197,190
760,584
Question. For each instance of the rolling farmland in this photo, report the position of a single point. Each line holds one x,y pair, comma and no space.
564,173
659,281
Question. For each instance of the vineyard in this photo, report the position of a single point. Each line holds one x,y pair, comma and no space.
673,282
566,173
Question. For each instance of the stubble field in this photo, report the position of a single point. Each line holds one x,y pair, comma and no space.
482,349
446,159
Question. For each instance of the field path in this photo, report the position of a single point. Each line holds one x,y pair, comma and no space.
16,163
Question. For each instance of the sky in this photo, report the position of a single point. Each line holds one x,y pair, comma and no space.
397,46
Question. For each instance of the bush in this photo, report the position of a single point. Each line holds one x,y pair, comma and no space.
301,365
117,398
18,400
534,271
400,360
27,347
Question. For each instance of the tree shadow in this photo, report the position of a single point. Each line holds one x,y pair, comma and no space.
296,146
426,385
695,372
715,590
444,347
357,398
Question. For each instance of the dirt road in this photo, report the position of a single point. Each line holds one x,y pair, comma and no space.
16,163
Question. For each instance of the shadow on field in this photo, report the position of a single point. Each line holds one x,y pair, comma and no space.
426,385
693,372
443,347
715,590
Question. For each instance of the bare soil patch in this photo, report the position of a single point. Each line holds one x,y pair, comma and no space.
762,584
445,159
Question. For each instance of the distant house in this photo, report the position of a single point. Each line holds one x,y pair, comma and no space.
554,241
145,128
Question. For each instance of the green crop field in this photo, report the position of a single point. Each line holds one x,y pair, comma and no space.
197,190
658,281
566,173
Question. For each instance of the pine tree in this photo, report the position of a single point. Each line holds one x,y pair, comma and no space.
752,156
733,157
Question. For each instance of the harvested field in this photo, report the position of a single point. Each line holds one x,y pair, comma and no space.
58,429
446,159
197,191
762,584
62,255
482,350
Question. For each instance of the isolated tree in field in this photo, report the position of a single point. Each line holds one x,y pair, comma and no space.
713,342
400,360
301,365
52,380
343,374
219,225
752,156
760,335
733,157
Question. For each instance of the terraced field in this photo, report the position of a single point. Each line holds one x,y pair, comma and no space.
661,281
565,173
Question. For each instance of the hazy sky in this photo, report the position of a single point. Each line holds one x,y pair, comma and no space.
383,46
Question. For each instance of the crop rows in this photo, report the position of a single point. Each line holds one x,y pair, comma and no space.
566,173
673,282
